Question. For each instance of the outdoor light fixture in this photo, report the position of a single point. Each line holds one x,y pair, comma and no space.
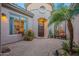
41,21
3,17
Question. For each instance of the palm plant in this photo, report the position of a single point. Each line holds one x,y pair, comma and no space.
65,13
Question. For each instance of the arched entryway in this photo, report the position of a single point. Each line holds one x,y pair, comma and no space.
42,25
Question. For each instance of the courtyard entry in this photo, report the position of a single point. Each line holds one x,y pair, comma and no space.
41,27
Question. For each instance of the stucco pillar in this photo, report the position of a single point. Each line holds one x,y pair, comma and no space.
46,29
0,28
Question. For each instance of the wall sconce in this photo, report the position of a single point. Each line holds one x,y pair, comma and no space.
3,17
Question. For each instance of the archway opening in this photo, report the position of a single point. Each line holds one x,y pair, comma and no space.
41,27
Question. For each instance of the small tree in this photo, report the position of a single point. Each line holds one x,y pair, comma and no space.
65,13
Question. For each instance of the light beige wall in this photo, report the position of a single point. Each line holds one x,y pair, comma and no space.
76,28
75,23
5,36
33,22
37,6
39,13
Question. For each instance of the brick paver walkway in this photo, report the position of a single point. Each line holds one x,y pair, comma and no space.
37,47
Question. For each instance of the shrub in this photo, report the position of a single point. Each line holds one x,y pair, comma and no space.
50,34
62,52
65,46
29,35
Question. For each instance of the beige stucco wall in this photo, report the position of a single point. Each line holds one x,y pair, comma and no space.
37,6
5,36
76,28
75,23
33,22
39,13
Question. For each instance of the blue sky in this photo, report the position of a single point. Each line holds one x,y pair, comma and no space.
21,5
57,5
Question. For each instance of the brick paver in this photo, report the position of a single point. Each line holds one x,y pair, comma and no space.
37,47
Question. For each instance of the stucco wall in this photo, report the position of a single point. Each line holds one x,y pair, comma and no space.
37,6
5,36
33,22
75,23
76,28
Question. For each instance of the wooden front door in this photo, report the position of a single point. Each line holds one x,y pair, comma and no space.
41,28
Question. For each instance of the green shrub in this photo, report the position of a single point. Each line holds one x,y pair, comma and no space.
50,34
66,53
29,35
62,52
65,46
77,51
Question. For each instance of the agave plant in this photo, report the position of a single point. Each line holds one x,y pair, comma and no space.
65,13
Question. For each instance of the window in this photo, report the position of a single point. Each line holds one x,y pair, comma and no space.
17,24
11,25
25,24
14,24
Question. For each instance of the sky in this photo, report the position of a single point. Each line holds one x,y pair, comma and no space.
22,4
57,5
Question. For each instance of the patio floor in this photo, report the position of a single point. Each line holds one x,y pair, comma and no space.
37,47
